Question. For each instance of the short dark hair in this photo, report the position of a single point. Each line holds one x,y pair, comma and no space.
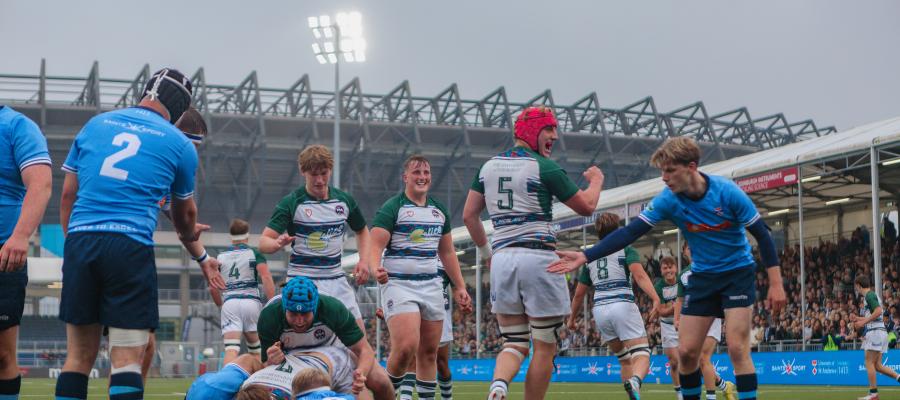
192,122
253,392
239,227
606,223
863,281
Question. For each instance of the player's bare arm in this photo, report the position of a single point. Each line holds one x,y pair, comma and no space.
266,277
365,360
271,241
581,290
379,241
362,247
643,281
67,200
472,219
585,201
447,253
38,185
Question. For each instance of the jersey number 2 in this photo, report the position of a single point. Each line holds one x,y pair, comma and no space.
132,144
509,194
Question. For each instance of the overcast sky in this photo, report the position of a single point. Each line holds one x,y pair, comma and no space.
837,62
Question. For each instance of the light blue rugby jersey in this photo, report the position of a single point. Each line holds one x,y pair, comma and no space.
713,226
126,161
21,145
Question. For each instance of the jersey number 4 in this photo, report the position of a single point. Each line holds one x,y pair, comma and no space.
507,191
132,144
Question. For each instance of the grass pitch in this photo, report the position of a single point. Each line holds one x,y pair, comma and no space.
33,388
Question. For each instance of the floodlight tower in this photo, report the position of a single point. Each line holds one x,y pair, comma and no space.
340,37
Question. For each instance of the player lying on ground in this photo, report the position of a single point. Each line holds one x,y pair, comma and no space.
517,188
617,317
876,342
244,270
300,319
714,215
246,376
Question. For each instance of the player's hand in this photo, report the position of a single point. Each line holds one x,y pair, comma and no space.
654,311
198,229
274,354
361,272
677,322
571,323
594,174
284,239
467,308
14,253
461,297
858,324
568,261
379,313
777,298
210,269
359,381
381,275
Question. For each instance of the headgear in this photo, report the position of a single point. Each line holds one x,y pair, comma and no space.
531,122
300,295
172,89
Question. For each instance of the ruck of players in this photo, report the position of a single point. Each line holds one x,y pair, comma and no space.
304,336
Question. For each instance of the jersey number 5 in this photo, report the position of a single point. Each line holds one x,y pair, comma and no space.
509,194
132,144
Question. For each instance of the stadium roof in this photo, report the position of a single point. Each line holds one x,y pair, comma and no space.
828,160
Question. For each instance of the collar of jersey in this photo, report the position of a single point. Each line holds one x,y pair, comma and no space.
240,246
708,183
151,110
408,200
309,195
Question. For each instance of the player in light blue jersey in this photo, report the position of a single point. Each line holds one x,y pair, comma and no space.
25,186
714,214
119,167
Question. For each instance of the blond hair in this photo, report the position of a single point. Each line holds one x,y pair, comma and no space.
315,157
677,150
308,379
606,223
415,159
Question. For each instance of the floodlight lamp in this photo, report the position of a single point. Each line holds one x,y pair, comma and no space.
321,59
317,33
360,56
332,58
313,22
316,49
329,47
324,20
342,19
348,57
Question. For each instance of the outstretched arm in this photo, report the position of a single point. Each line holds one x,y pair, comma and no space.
571,260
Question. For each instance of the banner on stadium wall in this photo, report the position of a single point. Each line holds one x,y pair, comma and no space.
800,368
768,180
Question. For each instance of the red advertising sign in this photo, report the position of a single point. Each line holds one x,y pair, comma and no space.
768,180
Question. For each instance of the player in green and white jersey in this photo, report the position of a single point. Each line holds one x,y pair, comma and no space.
876,341
411,232
517,188
313,217
300,320
616,315
243,268
667,290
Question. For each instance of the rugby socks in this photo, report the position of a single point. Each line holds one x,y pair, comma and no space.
678,392
396,381
873,391
126,383
898,378
407,386
746,386
710,395
71,386
720,383
425,389
446,385
690,385
9,388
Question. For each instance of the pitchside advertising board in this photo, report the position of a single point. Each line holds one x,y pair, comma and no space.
802,368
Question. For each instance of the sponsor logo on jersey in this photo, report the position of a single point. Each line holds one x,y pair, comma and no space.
339,210
319,334
718,211
308,212
435,213
695,228
317,241
417,236
410,213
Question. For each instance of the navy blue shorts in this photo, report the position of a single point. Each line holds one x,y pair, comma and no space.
708,294
12,296
110,279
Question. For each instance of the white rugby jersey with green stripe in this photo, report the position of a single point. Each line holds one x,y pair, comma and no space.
611,277
238,269
318,230
415,234
518,187
871,305
667,294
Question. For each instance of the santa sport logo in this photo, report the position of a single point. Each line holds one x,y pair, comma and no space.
788,367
